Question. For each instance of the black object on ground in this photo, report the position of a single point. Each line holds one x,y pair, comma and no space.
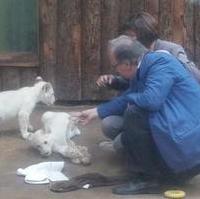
90,179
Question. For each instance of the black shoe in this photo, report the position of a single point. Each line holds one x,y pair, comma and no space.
140,187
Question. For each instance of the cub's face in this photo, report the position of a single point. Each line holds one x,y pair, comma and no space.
47,94
40,141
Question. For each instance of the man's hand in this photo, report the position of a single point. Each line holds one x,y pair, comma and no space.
75,116
104,79
84,117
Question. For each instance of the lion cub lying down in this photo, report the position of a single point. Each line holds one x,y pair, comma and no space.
55,136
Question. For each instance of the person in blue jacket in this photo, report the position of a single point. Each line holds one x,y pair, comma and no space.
161,116
143,27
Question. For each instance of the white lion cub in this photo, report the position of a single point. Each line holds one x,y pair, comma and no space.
20,103
55,136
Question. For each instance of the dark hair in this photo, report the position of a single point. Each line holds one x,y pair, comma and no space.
144,25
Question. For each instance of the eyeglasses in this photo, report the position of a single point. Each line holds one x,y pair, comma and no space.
115,65
120,63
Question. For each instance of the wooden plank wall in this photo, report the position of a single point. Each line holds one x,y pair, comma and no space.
48,39
16,77
68,79
100,21
74,35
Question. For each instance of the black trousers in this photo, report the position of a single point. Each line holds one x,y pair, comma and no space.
142,151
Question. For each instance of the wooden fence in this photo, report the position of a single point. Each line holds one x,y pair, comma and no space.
74,33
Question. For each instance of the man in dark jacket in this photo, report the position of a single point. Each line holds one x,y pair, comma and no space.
160,112
144,27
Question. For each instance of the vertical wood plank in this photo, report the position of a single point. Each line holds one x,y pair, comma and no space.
69,50
189,29
16,77
27,76
10,78
178,21
165,19
109,29
152,7
137,6
91,45
125,11
197,31
48,33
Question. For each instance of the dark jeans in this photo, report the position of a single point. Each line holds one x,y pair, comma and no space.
142,151
112,129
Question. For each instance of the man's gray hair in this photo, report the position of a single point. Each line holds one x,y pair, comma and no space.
126,48
122,40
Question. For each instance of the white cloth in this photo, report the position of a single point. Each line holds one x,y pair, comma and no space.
43,173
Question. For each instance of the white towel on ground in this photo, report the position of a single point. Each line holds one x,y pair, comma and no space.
43,173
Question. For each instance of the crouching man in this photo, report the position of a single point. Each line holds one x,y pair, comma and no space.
159,113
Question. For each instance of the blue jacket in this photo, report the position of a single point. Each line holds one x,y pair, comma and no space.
168,91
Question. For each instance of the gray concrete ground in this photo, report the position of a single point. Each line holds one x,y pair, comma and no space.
16,153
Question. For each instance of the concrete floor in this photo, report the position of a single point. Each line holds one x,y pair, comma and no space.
16,153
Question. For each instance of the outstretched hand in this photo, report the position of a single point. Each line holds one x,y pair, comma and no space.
104,80
84,117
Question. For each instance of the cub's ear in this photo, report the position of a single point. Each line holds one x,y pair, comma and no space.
38,79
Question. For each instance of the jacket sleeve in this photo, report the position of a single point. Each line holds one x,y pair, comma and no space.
158,83
117,106
119,83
